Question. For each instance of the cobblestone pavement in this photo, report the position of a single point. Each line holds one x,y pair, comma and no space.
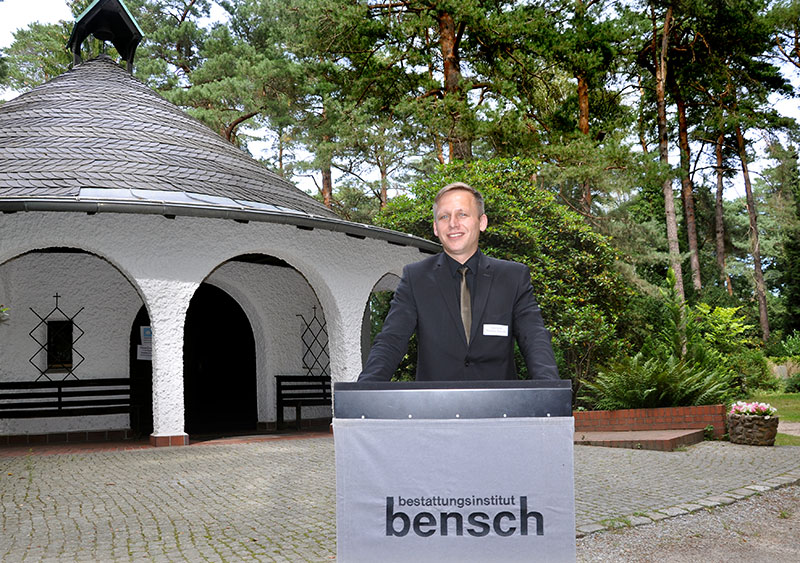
275,500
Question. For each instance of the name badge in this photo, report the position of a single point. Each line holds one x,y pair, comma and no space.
495,330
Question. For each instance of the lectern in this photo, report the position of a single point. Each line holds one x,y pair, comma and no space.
454,471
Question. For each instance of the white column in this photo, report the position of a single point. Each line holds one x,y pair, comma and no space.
345,322
167,303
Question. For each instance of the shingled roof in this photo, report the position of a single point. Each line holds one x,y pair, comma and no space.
96,139
98,127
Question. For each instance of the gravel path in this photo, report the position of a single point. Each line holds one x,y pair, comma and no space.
789,427
764,527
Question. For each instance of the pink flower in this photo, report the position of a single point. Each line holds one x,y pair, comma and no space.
760,409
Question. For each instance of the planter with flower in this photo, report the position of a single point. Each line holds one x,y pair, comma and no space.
754,424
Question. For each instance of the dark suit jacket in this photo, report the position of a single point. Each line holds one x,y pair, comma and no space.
503,302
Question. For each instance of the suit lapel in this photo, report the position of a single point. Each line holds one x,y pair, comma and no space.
484,283
442,280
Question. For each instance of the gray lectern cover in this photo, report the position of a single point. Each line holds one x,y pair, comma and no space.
455,490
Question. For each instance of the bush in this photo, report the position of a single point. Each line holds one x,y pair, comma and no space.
792,384
633,383
791,345
751,368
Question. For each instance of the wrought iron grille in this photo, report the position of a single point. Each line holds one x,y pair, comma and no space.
58,325
316,360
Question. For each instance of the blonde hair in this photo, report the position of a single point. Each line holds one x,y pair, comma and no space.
459,186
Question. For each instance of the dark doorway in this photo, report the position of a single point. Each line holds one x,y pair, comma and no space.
141,369
219,365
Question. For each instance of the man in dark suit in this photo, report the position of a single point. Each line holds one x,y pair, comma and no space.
466,308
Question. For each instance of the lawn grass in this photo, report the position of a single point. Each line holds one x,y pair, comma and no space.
788,404
787,440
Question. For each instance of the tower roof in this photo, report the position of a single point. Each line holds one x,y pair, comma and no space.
107,20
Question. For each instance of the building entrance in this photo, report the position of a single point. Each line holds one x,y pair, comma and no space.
219,365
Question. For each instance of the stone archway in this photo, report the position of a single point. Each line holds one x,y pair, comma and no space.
219,365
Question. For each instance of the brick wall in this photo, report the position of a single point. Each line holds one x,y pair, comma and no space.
669,418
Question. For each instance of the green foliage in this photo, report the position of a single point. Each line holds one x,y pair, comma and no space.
720,328
26,66
693,355
791,344
637,382
379,303
360,87
750,366
792,384
572,267
353,204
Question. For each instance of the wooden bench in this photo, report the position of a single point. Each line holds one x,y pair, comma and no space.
85,397
301,391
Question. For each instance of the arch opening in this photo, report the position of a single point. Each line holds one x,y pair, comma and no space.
219,363
97,301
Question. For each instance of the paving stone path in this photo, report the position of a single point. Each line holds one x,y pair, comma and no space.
274,500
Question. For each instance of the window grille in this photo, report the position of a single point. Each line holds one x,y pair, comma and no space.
58,344
316,360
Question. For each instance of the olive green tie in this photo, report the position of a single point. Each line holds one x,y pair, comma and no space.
466,302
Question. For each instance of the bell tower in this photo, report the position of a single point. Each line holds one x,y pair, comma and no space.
109,21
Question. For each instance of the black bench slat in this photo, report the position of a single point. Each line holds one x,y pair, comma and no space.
305,402
46,413
301,391
107,382
306,395
62,404
97,393
37,395
30,399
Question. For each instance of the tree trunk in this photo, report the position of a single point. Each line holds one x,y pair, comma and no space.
687,193
761,293
384,187
439,147
281,171
583,104
449,39
583,127
660,56
718,215
327,185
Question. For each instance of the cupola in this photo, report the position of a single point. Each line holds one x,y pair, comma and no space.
110,22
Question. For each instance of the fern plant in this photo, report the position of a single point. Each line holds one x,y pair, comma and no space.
636,382
681,364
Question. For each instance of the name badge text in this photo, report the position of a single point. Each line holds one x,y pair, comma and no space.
495,330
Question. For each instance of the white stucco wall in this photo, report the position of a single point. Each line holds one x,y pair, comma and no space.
109,304
167,259
272,297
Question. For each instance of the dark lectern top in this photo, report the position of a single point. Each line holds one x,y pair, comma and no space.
452,399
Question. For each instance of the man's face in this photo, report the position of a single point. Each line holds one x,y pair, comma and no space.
458,224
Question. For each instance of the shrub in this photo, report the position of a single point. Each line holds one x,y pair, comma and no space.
750,366
791,344
792,384
655,382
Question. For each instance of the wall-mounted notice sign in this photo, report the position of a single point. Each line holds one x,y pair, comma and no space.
144,351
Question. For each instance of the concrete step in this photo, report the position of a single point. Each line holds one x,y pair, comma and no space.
661,440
